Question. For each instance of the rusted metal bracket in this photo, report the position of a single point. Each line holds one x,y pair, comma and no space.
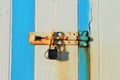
84,39
59,38
55,40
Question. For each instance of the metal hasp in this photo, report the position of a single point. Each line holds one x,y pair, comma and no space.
80,38
57,39
84,39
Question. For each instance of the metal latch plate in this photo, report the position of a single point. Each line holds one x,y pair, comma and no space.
42,38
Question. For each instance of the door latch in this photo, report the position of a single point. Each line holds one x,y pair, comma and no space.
55,39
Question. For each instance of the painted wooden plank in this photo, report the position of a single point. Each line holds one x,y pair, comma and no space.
84,53
95,44
109,39
5,23
60,15
105,46
22,64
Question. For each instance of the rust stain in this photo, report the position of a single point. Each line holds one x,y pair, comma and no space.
89,62
71,39
64,68
90,67
87,53
42,42
68,70
76,62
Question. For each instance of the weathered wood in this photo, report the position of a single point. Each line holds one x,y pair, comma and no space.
57,15
5,23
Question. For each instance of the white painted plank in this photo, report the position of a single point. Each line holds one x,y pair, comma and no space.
66,15
110,39
5,38
60,15
94,45
66,21
44,69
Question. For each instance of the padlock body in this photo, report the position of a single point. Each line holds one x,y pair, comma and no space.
52,54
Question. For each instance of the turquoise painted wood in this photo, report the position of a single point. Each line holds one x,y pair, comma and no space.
22,52
83,24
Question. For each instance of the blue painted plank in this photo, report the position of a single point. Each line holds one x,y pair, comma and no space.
22,67
83,14
84,73
83,24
